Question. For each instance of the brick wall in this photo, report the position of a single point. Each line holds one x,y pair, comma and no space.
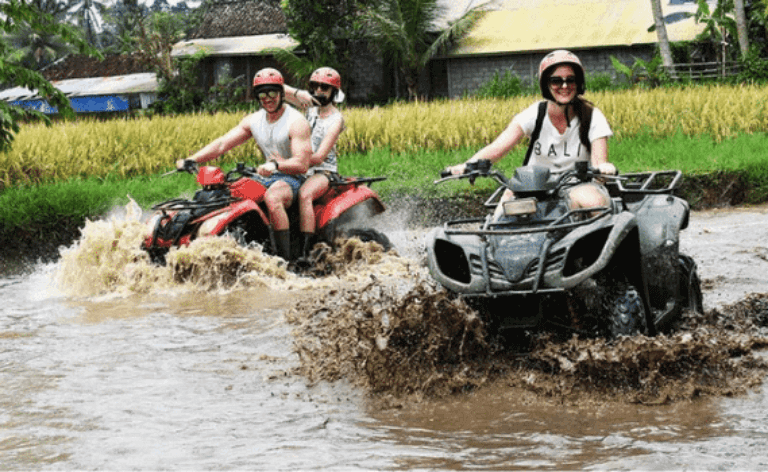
466,74
367,79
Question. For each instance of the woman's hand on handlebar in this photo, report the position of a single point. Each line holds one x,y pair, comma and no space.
606,168
455,170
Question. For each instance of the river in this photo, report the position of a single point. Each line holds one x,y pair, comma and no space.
110,364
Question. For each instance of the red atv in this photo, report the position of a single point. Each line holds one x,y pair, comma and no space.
232,203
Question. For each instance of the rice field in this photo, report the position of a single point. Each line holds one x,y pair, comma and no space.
125,148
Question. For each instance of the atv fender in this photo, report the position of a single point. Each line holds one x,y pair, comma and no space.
624,223
324,214
476,284
230,214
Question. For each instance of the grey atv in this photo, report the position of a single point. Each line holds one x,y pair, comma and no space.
606,271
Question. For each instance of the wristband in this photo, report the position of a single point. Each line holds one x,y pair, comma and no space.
277,165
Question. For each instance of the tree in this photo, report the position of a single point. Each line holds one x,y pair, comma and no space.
36,48
88,14
405,31
121,25
741,26
17,15
324,29
176,77
661,33
719,26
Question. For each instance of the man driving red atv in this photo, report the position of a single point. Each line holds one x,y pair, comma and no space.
283,135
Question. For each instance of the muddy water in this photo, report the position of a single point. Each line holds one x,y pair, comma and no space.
210,364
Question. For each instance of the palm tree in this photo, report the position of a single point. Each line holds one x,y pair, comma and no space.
661,34
88,14
405,31
36,48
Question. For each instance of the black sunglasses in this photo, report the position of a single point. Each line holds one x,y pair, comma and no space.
556,81
322,87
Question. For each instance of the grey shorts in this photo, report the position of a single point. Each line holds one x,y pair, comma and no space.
293,181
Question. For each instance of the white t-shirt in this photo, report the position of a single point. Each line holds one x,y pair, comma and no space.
558,151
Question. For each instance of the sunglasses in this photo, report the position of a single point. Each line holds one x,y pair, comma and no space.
322,87
556,81
270,94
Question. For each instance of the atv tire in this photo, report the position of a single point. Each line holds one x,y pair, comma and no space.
690,285
369,235
625,311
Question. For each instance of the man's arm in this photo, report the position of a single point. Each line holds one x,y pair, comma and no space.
301,149
233,138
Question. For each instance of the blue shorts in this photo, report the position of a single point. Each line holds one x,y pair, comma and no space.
294,181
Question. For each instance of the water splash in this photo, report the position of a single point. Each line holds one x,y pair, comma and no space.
107,260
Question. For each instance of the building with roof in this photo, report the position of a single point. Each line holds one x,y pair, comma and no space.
237,35
514,35
510,36
119,83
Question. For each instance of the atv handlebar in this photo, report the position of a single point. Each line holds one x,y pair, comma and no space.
473,170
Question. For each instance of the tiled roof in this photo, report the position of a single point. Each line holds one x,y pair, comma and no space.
228,18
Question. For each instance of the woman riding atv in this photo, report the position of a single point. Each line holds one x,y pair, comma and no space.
563,129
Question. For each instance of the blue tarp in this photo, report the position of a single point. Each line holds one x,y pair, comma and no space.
101,103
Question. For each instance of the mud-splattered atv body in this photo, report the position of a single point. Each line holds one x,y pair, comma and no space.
602,271
233,204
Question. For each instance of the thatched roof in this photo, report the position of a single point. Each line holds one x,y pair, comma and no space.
78,67
227,18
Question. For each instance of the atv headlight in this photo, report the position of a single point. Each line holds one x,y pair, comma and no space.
209,226
523,206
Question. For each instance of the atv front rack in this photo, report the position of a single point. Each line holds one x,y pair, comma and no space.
569,220
180,204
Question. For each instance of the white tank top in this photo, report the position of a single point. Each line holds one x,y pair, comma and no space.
320,128
273,138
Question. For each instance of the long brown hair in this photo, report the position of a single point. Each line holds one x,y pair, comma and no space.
583,109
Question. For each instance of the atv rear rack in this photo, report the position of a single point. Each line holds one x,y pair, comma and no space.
648,182
355,181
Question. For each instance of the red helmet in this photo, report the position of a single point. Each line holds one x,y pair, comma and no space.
560,57
268,76
326,75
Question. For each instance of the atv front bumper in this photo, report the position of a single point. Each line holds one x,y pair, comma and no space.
524,261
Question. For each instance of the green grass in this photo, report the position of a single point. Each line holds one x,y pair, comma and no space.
41,208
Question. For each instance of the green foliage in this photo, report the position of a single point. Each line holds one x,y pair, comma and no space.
753,68
315,24
19,15
504,86
180,93
598,82
716,21
403,30
646,73
227,96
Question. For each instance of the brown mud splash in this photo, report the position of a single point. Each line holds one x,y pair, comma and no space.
424,343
